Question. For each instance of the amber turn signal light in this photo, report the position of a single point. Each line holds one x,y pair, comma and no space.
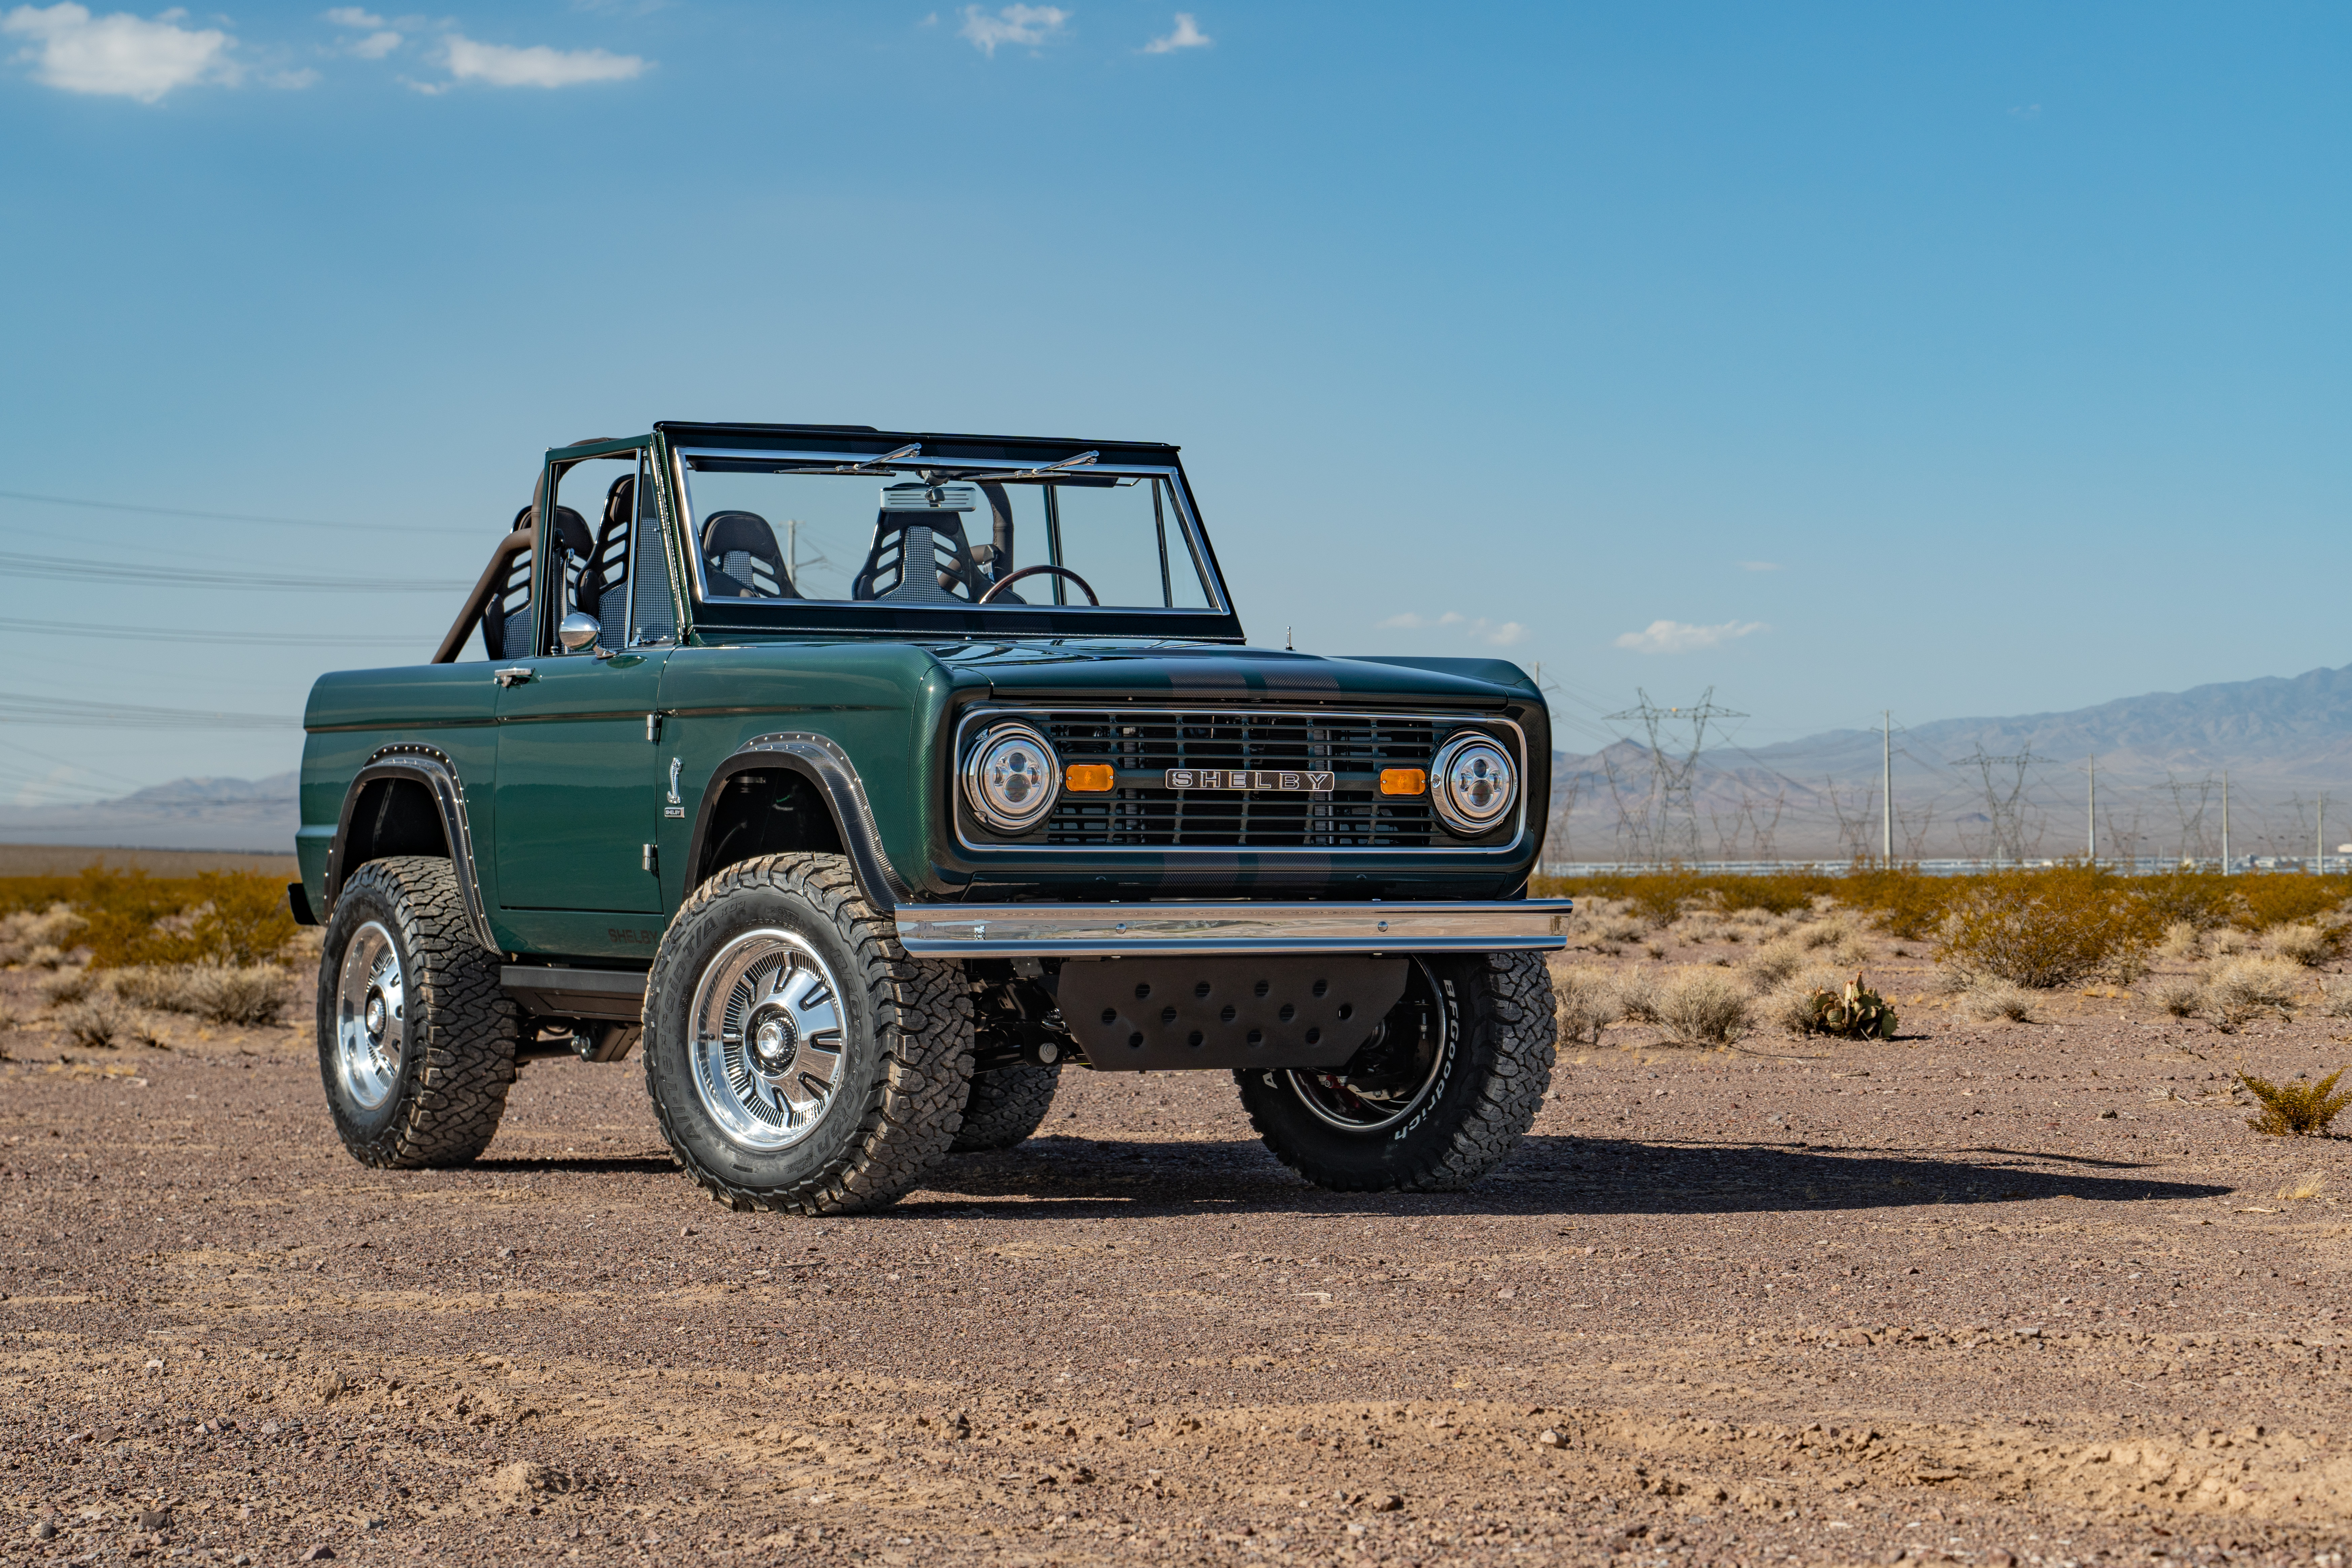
1398,781
1090,778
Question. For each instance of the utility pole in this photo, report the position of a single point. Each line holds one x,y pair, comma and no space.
2091,843
2322,845
1887,786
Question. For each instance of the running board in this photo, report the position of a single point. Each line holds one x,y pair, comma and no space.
615,993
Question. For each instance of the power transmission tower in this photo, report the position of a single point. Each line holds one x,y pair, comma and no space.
1677,837
2002,808
2192,823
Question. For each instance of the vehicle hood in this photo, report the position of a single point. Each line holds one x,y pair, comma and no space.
1220,673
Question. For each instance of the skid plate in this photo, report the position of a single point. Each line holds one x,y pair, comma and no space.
1149,1015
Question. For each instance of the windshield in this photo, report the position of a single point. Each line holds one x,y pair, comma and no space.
767,529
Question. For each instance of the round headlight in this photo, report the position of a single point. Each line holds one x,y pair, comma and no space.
1472,784
1011,777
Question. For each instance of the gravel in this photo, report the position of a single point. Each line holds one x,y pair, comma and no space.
2030,1289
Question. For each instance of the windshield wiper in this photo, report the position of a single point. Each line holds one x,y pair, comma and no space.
995,475
868,464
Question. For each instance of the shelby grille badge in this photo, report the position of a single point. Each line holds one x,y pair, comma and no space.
1249,778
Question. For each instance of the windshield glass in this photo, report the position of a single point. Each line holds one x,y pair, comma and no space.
909,537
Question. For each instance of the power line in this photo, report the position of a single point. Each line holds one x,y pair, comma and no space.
81,714
65,568
227,516
162,634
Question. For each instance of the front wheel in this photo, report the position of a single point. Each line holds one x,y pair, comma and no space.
798,1059
417,1041
1438,1098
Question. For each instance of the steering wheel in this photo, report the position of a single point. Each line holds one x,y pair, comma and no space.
1003,583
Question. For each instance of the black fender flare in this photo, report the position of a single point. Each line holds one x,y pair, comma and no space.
432,769
825,764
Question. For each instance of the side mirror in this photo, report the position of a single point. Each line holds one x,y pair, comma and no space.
578,631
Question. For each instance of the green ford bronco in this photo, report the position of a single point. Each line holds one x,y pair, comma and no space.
863,781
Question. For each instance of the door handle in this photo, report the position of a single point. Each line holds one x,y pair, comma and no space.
515,675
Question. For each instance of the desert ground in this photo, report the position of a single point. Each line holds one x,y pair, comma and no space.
1995,1291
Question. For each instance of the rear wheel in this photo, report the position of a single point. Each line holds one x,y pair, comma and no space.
1437,1098
417,1040
1006,1106
797,1057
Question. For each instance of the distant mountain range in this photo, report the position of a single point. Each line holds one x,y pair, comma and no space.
186,813
1966,787
2283,741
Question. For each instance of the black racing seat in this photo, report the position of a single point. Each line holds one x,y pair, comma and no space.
506,613
905,542
740,561
605,572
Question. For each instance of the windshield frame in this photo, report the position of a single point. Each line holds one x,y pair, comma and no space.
976,456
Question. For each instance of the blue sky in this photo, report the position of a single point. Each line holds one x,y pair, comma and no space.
1954,360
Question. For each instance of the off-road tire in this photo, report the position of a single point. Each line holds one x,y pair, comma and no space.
462,1027
1498,1068
906,1057
1006,1106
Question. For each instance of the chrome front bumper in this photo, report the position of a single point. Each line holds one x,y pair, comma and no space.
1088,930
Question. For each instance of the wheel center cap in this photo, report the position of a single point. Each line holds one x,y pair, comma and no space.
773,1041
375,1014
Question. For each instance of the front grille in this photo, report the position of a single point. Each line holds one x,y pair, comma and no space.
1143,814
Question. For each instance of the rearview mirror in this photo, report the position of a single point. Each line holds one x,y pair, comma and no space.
579,630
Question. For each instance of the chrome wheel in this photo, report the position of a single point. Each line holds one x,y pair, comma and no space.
371,1016
767,1043
1401,1067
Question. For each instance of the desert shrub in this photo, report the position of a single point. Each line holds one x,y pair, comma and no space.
2178,995
1991,999
2041,929
1787,892
1587,1002
46,957
131,918
2284,897
1832,931
1635,993
2305,943
2304,1188
2241,987
1904,902
2336,1001
1774,962
70,986
1850,1012
2201,901
2181,942
2297,1109
244,994
37,939
30,895
242,919
1704,1007
97,1024
2229,942
1659,899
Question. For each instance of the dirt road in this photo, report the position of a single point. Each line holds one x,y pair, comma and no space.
2019,1292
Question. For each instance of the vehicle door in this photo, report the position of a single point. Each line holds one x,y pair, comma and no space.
578,780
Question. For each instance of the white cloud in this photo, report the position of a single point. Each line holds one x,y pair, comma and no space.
1681,636
121,56
351,16
374,47
1498,634
1759,567
1013,25
538,66
1187,36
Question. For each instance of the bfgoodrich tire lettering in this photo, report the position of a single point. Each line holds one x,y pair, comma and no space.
1458,1112
417,1040
1006,1106
899,1035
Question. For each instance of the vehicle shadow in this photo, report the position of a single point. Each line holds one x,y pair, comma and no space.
579,1165
1546,1175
